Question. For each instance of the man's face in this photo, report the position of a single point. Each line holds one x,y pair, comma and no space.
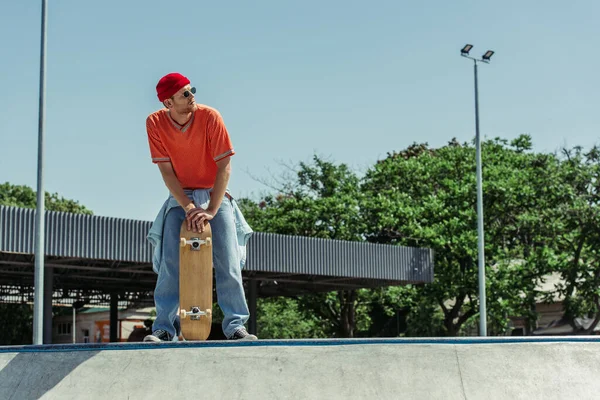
183,101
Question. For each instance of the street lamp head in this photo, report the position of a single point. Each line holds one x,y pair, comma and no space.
488,54
465,50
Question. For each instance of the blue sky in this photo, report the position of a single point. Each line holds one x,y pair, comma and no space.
348,80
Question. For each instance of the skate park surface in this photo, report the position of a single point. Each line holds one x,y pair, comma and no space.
396,368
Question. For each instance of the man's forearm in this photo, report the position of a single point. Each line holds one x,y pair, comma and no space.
176,190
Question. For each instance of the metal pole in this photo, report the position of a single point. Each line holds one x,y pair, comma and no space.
48,289
252,294
74,322
38,303
482,305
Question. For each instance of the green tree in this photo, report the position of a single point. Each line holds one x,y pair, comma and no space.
576,249
322,200
18,326
284,318
540,216
24,196
426,197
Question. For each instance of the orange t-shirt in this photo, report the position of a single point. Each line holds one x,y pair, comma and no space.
192,149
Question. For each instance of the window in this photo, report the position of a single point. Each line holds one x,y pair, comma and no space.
64,328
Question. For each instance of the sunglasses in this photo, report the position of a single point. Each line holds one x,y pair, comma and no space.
187,92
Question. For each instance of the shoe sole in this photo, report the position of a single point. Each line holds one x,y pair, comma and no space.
247,338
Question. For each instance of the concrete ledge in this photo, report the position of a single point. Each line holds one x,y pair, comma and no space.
448,368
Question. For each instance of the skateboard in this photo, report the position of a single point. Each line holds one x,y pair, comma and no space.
195,283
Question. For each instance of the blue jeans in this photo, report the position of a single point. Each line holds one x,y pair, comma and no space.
226,260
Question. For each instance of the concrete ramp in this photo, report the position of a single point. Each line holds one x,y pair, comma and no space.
469,368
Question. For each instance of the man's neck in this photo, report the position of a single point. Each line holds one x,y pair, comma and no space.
181,119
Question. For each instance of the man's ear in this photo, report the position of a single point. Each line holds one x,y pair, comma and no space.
168,103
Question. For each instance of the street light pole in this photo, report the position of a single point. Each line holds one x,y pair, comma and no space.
480,229
38,299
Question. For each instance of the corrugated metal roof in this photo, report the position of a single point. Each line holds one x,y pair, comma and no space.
76,235
268,252
107,238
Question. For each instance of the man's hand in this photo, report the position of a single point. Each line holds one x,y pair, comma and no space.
189,207
197,218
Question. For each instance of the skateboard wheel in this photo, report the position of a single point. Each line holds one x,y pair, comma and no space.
208,312
208,241
182,242
183,314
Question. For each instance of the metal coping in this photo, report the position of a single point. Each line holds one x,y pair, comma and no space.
496,340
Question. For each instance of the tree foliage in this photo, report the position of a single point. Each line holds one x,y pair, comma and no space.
540,217
322,200
24,196
576,246
18,325
426,197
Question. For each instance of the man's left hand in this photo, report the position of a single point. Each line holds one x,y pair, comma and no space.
197,218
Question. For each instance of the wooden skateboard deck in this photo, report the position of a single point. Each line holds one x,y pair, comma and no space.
195,282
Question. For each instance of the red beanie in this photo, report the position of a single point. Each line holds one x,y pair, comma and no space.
169,84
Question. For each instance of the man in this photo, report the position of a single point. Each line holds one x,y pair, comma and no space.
192,148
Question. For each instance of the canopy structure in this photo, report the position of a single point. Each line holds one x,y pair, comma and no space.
93,256
104,260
